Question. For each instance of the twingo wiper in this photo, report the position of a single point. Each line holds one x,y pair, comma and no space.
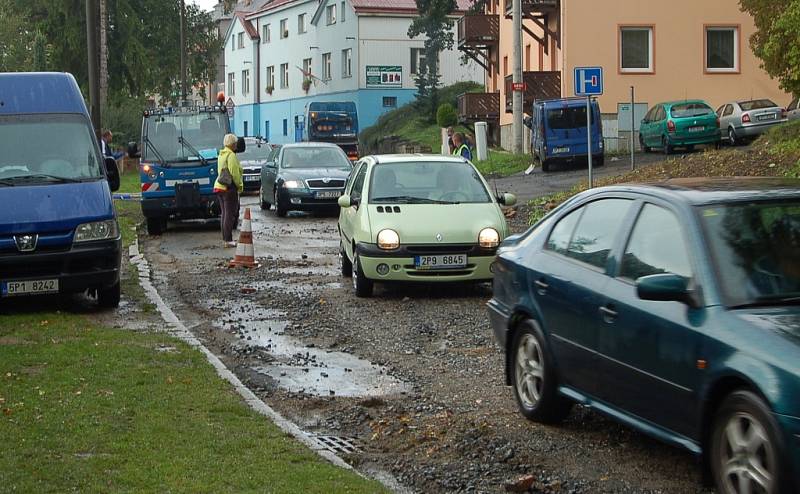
148,142
186,143
411,200
769,301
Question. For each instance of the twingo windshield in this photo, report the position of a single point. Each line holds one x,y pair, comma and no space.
47,148
202,132
314,157
756,250
688,110
427,182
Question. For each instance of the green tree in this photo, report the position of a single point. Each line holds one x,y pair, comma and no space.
15,54
446,115
777,39
434,23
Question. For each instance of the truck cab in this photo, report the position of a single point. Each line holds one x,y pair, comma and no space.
178,165
58,226
558,132
335,122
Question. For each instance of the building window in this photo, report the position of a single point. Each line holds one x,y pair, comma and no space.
330,14
265,34
341,13
245,128
505,66
306,67
240,40
245,82
231,83
390,101
284,75
301,24
527,57
722,49
636,51
417,60
285,127
266,130
347,63
271,76
284,28
326,66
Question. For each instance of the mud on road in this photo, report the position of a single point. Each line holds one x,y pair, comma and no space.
409,382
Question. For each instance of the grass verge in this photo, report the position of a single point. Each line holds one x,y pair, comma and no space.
89,409
503,164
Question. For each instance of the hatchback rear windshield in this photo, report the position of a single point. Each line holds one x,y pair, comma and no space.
688,110
756,249
570,117
757,104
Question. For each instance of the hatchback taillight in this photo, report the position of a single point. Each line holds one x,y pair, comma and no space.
718,125
746,118
670,126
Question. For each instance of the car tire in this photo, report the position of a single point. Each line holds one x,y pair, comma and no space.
265,205
545,166
346,264
642,145
601,161
108,298
732,139
690,148
279,209
362,285
665,147
745,416
156,226
534,378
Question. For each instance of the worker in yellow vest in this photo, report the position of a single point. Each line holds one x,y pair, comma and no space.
461,149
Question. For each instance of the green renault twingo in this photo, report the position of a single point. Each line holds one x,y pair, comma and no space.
418,218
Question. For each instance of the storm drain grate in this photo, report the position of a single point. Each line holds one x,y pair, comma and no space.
338,445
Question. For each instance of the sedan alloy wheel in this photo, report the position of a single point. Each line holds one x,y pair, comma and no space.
530,371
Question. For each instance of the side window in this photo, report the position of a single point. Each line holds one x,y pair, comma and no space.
358,183
562,232
649,116
656,246
728,110
719,110
356,169
597,230
661,114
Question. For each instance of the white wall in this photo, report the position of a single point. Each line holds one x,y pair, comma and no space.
235,62
333,39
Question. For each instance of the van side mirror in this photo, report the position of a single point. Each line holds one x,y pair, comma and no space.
133,150
241,146
112,173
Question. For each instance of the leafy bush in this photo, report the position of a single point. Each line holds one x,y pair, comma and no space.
446,115
123,116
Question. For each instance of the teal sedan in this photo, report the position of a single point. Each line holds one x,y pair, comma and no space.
679,124
673,308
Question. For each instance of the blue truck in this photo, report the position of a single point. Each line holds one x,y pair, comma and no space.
178,163
58,226
558,132
335,122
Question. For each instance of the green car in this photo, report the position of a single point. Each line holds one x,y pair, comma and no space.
417,218
679,124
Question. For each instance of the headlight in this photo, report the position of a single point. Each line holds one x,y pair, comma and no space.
293,184
488,238
98,230
388,239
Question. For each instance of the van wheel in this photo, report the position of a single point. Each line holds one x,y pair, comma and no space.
362,285
642,145
108,298
545,166
598,162
156,226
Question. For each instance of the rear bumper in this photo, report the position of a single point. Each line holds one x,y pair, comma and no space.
756,129
204,206
499,317
691,140
93,265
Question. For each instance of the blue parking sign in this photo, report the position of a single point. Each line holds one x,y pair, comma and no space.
588,81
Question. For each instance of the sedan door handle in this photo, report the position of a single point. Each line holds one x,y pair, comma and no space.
608,312
541,286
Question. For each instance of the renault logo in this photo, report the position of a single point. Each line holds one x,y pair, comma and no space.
438,237
26,243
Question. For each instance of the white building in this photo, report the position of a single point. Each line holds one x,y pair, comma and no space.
350,50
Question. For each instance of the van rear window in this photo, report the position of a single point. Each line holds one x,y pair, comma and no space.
567,118
684,110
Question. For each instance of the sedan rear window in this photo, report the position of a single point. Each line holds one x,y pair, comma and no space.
757,104
688,110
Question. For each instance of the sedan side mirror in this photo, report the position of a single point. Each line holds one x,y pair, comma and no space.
345,201
133,150
112,173
666,287
241,146
507,199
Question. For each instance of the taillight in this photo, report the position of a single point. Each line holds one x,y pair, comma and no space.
746,118
670,126
718,124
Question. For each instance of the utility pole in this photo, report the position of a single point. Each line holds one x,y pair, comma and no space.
183,52
517,94
94,63
103,22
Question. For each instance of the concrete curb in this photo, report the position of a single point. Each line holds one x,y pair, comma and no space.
179,330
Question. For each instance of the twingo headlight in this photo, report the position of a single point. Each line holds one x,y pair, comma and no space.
293,184
97,230
488,238
388,239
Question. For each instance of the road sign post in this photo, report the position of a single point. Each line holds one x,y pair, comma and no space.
588,82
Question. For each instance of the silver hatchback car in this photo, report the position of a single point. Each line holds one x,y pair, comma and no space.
742,120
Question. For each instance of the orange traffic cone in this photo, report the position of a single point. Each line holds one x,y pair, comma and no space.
245,255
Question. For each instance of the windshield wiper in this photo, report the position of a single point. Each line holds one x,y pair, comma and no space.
42,176
412,200
6,182
183,141
769,301
153,148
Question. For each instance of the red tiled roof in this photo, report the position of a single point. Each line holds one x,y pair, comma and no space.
248,26
398,5
274,4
